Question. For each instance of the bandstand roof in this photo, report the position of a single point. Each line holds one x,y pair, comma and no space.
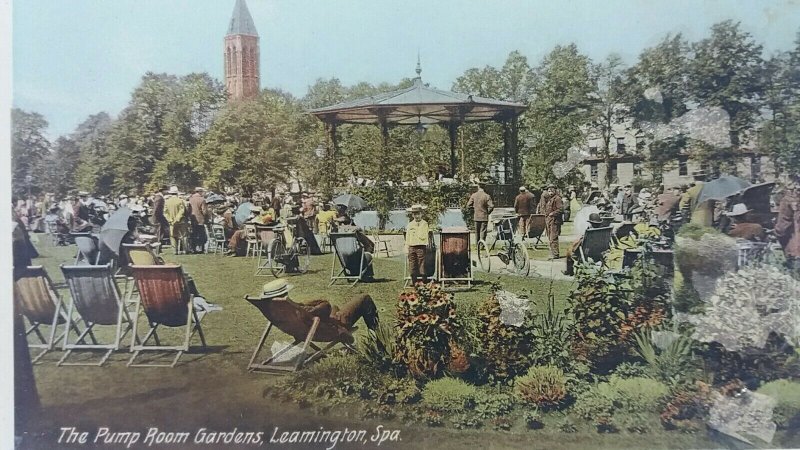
419,104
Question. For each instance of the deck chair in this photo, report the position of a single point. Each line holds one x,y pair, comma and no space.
96,298
536,227
353,260
218,236
266,234
166,299
303,327
88,248
142,255
38,300
381,245
596,241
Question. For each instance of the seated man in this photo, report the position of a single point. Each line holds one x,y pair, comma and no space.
595,222
360,307
742,228
325,219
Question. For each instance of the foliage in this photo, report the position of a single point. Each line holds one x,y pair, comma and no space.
491,403
786,394
379,348
600,302
544,386
561,106
427,323
466,420
712,253
552,333
667,354
686,408
627,395
29,148
630,370
449,395
337,379
504,349
567,426
609,111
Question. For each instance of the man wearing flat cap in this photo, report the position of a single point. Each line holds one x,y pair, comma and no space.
482,205
198,216
553,210
524,206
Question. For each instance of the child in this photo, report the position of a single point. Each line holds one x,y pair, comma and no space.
417,242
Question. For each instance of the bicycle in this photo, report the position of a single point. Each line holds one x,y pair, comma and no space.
294,258
511,252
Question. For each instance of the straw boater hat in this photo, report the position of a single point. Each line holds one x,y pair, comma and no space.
415,208
522,189
199,189
174,190
275,288
738,210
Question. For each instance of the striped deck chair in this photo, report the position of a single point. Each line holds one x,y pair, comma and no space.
355,263
166,300
88,248
96,298
303,327
38,300
596,241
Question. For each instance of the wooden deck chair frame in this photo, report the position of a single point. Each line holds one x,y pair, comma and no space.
342,273
536,228
376,238
303,342
457,283
81,241
160,304
88,306
40,303
218,235
596,241
253,242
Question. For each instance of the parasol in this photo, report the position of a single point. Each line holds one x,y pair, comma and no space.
722,188
243,212
115,229
353,202
215,198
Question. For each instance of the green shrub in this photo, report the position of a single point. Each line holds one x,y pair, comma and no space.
491,403
449,395
552,333
544,386
400,391
667,355
567,426
379,348
787,400
505,350
426,326
598,401
466,420
630,370
640,394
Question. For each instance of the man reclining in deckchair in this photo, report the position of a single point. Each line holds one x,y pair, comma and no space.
360,307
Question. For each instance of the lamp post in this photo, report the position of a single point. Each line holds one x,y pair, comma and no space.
322,153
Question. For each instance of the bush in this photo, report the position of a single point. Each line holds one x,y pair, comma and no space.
426,325
667,354
702,252
686,409
598,401
504,349
491,403
544,386
630,369
787,401
449,395
379,348
639,394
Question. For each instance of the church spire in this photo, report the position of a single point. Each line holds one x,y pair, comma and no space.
242,55
241,21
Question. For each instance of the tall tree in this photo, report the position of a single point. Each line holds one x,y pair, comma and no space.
726,72
609,110
561,106
93,171
29,149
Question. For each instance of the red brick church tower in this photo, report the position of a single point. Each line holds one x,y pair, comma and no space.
242,72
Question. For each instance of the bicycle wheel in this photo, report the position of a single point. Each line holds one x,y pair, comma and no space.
521,260
483,256
277,257
303,254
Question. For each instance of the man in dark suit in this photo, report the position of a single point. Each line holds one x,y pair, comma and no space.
482,205
159,220
524,206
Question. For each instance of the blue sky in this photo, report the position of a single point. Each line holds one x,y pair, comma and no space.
72,58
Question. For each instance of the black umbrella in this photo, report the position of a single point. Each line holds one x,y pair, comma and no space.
352,202
722,188
115,229
215,198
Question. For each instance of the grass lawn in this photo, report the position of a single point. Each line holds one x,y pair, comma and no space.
212,389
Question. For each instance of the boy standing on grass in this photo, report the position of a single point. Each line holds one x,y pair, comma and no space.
417,242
